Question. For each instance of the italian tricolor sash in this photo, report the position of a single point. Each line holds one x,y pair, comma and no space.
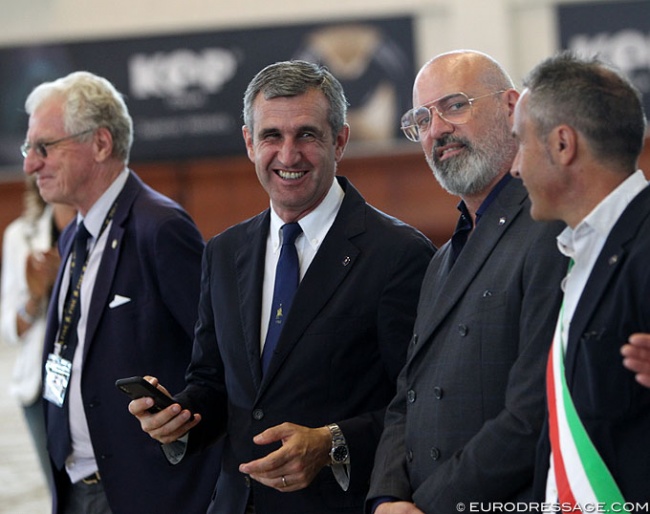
580,473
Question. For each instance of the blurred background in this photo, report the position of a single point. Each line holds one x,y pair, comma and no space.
183,67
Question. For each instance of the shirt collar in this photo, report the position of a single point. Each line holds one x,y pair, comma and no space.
317,223
604,216
462,207
97,214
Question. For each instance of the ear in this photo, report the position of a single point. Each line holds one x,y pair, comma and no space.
103,144
511,97
342,141
248,140
563,144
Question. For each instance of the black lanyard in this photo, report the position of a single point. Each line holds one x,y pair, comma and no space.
72,300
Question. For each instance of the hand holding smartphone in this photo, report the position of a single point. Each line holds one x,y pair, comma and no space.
138,387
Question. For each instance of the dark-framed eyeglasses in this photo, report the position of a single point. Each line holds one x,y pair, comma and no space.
455,108
41,147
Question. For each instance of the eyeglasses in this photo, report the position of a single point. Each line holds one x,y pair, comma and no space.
455,109
41,147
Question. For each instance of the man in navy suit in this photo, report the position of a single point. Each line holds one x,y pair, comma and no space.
135,304
580,126
300,435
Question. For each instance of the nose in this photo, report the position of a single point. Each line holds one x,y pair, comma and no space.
32,163
514,168
288,153
438,126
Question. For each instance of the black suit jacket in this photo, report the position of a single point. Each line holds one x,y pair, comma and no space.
613,406
470,404
152,257
337,360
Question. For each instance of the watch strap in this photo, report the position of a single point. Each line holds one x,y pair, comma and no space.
341,470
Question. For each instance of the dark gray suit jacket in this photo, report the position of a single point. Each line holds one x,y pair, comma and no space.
338,357
470,403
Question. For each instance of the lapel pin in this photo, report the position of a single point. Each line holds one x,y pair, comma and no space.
114,244
502,220
613,259
346,260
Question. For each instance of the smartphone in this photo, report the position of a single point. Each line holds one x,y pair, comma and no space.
137,387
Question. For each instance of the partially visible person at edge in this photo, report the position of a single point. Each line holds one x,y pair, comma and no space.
300,427
636,355
580,126
30,261
465,422
132,309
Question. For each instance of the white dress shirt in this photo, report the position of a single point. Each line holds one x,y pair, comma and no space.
315,226
81,461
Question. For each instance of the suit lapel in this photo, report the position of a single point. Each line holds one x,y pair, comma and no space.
491,228
249,265
65,247
605,270
110,258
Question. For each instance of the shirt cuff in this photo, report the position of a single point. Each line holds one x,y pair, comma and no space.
174,452
342,474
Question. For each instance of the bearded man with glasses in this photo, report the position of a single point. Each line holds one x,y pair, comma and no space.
465,422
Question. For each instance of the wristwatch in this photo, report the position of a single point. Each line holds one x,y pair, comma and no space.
339,454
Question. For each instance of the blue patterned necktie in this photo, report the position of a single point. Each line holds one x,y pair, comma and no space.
287,278
58,426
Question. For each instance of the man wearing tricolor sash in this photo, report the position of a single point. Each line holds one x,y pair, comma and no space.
580,126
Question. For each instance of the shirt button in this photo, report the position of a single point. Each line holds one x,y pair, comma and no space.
258,414
414,340
435,453
437,392
463,330
410,396
409,455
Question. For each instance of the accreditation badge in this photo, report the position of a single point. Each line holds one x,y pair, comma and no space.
57,377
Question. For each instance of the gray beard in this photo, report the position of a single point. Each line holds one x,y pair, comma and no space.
472,171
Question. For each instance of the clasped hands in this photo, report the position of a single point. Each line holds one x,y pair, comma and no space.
304,451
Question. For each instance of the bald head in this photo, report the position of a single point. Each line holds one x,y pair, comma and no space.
461,70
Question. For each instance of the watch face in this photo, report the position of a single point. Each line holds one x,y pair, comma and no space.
340,454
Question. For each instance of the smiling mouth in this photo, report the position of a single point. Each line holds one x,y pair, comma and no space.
446,151
290,175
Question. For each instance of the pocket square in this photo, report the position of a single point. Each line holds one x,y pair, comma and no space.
118,300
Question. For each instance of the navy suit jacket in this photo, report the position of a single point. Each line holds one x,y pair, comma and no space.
613,406
152,256
470,404
341,349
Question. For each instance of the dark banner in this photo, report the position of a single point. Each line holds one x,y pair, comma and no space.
185,91
619,32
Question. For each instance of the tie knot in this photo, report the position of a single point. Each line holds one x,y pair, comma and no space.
290,232
82,233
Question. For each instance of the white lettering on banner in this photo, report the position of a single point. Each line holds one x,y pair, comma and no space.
173,127
627,49
174,74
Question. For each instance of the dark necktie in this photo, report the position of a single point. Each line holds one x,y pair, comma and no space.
58,427
287,277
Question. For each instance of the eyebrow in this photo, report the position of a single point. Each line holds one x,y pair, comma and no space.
444,97
299,130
